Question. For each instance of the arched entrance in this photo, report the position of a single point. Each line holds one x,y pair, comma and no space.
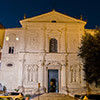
53,82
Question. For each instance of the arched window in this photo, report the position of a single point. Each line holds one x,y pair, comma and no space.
53,45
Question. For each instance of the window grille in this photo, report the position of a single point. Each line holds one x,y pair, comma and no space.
53,45
11,50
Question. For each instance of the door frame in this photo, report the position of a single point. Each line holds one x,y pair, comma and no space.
53,78
46,76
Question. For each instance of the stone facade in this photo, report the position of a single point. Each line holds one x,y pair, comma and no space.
28,54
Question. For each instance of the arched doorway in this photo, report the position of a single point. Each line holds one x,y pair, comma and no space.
53,82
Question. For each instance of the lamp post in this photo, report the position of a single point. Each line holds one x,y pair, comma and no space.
38,90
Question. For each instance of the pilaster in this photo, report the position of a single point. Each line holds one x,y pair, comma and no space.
21,71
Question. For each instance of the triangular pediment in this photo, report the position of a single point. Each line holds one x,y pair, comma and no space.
53,16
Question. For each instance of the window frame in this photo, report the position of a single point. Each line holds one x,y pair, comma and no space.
53,45
11,50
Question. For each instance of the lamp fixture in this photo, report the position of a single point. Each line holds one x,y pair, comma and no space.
7,38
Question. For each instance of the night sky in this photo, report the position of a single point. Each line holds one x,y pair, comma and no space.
11,11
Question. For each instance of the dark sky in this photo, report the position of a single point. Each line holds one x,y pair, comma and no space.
11,11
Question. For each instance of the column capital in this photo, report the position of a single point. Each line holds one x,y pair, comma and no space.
42,62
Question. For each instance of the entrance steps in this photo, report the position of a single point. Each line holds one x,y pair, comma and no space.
53,96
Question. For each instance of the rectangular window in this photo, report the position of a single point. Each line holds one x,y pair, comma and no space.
11,50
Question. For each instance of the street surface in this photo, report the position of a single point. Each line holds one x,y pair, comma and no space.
53,96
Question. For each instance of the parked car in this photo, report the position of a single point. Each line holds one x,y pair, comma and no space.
90,97
5,98
77,96
14,95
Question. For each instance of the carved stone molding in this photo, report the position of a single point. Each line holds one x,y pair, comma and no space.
31,73
75,71
42,62
64,63
53,65
22,60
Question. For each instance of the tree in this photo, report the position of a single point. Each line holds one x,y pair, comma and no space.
89,51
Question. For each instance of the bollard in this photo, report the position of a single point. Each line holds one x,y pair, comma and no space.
27,98
38,89
38,85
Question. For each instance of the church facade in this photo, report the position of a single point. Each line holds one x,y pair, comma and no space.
44,51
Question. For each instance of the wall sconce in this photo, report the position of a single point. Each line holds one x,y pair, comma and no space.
7,38
17,38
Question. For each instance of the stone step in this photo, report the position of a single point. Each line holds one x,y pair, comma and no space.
53,96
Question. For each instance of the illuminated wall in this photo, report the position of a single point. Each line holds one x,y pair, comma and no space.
2,31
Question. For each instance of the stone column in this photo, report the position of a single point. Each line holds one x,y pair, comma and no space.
63,75
21,72
41,75
63,78
63,41
46,78
42,39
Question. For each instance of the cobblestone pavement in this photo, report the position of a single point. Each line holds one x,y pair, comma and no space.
53,96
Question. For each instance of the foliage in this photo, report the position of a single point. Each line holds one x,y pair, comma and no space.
16,90
27,95
90,54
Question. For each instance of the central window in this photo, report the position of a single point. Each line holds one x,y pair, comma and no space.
53,45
